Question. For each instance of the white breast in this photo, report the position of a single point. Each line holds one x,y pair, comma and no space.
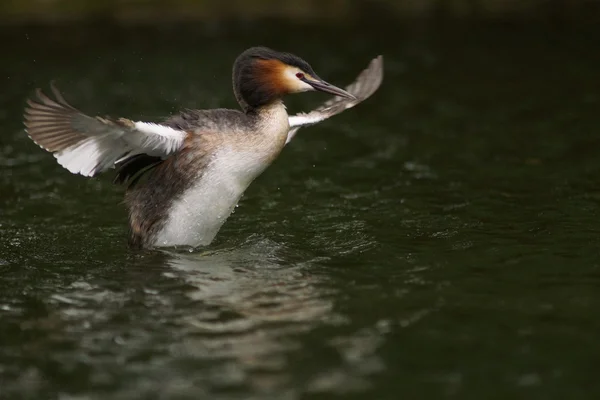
197,215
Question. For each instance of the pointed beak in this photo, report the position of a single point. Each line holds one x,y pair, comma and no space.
323,86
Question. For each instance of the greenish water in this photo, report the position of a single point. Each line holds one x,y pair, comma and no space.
438,241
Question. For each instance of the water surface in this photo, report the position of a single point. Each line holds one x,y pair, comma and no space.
438,241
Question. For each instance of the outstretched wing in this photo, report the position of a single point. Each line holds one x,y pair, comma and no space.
89,145
362,88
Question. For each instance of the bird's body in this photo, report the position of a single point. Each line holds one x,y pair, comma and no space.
187,198
186,174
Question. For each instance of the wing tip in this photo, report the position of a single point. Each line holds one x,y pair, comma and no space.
41,102
367,82
376,65
48,122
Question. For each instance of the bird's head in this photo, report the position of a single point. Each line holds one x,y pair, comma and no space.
262,76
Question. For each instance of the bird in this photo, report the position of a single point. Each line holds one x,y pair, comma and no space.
184,176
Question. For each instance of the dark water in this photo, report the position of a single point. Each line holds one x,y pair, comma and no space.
439,241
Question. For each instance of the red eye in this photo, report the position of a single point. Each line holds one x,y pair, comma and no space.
300,75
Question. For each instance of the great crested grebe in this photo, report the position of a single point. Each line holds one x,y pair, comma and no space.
194,166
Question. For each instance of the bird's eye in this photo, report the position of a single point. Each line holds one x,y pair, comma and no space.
300,75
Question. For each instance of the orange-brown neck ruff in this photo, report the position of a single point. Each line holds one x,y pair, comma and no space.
270,74
261,82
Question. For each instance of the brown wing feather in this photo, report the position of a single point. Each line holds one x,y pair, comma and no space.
56,125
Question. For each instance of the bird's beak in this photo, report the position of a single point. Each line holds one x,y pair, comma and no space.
323,86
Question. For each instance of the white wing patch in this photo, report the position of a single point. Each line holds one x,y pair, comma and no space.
97,154
155,139
89,157
303,119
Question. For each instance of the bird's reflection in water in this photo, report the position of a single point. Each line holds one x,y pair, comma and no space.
252,305
253,318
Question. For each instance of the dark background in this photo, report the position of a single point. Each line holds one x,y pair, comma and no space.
440,240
